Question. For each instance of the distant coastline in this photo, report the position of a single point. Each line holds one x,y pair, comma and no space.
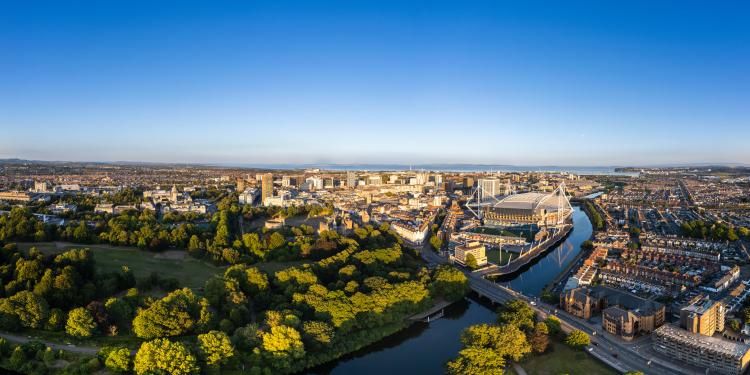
434,167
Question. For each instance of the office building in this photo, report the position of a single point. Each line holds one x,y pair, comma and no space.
488,188
474,248
704,317
266,187
623,314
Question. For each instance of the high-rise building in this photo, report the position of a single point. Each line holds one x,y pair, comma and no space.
351,179
488,188
266,187
704,317
468,182
286,181
240,184
40,186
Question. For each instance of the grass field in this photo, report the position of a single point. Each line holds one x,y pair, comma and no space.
493,256
177,264
273,267
564,360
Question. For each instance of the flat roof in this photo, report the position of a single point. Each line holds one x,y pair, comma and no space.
716,344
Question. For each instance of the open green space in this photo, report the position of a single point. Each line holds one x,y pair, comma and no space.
494,256
272,267
561,359
526,233
190,272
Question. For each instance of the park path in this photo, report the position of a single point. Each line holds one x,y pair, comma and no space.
19,339
519,370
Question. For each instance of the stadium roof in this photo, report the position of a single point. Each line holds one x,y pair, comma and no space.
528,201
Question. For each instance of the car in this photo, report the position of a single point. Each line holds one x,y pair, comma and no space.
533,303
614,355
590,349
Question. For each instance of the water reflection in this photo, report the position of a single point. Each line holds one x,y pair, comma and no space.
420,349
539,273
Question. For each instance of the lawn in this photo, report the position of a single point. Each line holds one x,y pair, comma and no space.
563,360
177,264
493,256
272,267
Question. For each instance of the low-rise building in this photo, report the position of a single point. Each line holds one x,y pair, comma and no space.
715,354
623,314
16,196
475,249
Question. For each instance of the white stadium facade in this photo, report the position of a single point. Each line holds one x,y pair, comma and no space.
527,209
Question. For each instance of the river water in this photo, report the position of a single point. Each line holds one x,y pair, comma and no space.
424,348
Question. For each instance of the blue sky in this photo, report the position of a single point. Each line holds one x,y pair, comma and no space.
529,83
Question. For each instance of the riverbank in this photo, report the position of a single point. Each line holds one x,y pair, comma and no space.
383,338
425,348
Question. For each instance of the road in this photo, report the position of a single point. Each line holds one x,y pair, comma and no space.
20,339
617,353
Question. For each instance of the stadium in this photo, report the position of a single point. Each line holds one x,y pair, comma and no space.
529,209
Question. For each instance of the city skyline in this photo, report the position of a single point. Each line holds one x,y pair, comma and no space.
372,83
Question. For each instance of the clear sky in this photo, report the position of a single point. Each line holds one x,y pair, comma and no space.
530,83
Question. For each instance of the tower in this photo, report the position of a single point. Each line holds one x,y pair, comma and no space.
173,194
266,187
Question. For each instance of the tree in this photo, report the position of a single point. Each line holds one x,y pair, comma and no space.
80,323
539,338
471,261
82,233
283,344
246,338
317,334
119,311
178,313
118,360
436,242
450,283
577,339
475,360
56,320
30,309
553,325
518,313
215,347
507,340
251,280
194,244
276,241
162,356
735,325
17,358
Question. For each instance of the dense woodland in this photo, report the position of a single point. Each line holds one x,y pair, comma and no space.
359,289
219,238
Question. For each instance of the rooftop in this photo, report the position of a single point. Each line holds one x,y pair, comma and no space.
715,344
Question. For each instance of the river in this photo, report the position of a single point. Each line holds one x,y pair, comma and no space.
424,348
